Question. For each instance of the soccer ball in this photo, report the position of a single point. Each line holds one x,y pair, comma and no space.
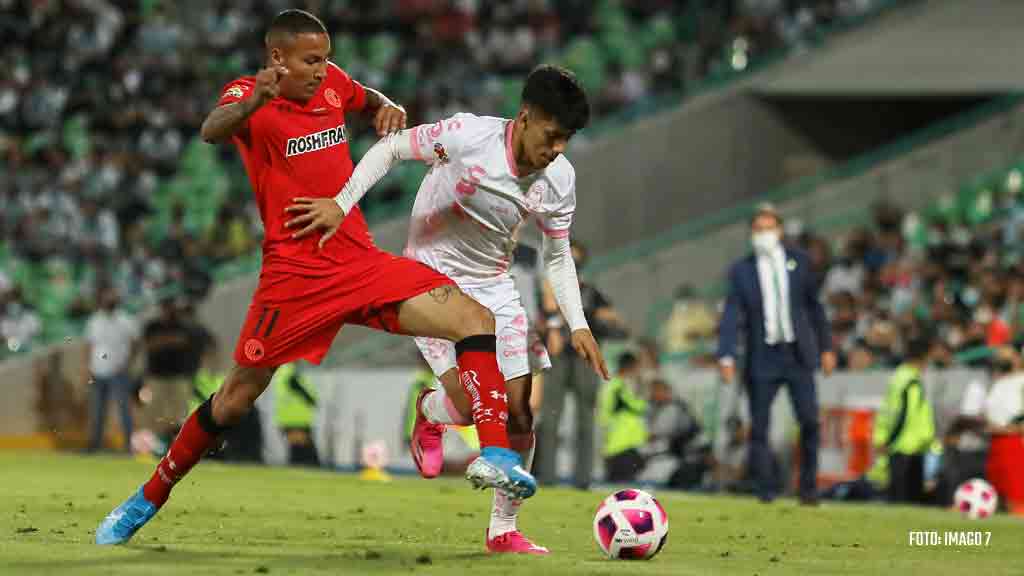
976,498
630,524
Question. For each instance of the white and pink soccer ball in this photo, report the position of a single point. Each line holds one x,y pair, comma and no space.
976,499
631,524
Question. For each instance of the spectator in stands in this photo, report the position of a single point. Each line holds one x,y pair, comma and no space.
112,342
905,426
622,414
229,238
570,372
19,325
111,138
787,335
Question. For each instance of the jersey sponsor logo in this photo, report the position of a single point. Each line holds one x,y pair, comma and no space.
253,350
237,91
332,98
316,141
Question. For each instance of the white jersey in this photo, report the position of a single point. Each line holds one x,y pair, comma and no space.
472,202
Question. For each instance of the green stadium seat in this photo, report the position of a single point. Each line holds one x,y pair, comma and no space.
585,58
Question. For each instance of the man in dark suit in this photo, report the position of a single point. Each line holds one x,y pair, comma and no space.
774,291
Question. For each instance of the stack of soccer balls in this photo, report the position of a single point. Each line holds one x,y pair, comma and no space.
975,499
630,524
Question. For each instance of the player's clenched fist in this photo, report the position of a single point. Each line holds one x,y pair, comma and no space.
268,83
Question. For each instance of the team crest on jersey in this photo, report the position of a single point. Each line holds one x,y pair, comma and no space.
316,141
238,91
535,194
332,98
441,153
253,350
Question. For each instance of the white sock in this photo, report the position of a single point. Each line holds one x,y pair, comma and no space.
505,509
438,408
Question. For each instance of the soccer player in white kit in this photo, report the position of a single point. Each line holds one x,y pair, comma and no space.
488,177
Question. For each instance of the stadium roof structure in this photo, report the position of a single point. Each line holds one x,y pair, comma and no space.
937,47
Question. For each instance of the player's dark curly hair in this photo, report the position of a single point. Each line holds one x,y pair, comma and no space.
557,92
294,21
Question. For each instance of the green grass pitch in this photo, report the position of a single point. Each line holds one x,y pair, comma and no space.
256,520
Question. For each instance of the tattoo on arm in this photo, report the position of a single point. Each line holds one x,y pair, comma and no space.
441,294
224,121
374,100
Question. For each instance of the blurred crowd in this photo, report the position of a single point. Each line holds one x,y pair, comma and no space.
105,181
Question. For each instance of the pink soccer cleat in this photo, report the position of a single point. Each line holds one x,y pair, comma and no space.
426,445
513,543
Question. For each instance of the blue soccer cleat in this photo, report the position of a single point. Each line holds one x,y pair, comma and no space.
503,469
121,524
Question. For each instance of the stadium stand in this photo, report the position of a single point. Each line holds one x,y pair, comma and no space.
104,179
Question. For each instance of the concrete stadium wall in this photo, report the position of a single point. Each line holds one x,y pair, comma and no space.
913,180
930,47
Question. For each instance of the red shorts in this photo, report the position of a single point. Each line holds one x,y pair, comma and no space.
295,316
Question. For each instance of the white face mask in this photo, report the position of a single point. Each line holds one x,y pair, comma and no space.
765,242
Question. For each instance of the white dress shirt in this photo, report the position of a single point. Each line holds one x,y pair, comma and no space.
774,279
111,336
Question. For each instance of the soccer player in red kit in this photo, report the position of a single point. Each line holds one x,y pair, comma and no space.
288,123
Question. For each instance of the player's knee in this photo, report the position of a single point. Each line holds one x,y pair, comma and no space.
477,319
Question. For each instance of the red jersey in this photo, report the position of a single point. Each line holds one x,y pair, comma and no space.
292,149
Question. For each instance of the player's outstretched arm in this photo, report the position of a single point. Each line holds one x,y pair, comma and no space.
327,214
224,121
561,271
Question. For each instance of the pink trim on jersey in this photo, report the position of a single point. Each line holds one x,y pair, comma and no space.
552,233
415,144
508,149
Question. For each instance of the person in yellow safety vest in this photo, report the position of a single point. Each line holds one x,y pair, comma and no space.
905,426
295,399
622,414
205,384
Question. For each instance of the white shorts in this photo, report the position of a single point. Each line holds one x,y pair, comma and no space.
520,350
